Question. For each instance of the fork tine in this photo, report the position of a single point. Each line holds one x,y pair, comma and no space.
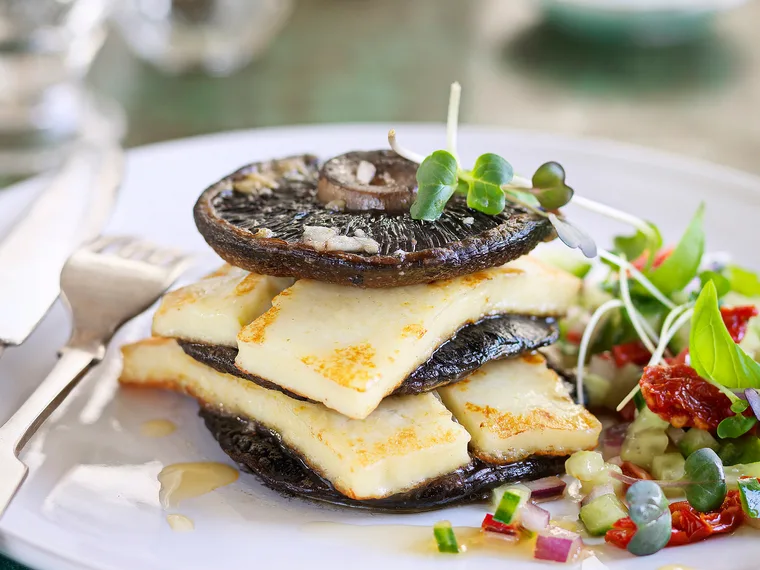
165,256
137,250
103,242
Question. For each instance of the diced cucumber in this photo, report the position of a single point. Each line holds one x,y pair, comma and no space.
740,450
669,466
642,447
597,388
584,465
697,439
600,514
445,538
647,420
624,380
733,472
730,452
604,477
509,502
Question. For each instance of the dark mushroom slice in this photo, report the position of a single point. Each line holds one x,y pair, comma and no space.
368,180
493,338
262,452
268,218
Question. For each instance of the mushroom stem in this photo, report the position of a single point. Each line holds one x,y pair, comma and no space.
452,121
401,151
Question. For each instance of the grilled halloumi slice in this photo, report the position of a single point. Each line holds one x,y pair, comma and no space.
349,347
407,440
214,309
517,408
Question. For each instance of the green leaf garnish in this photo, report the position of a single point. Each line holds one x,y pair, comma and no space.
486,179
714,354
749,493
635,245
707,488
650,512
436,183
743,281
722,285
736,425
682,265
549,186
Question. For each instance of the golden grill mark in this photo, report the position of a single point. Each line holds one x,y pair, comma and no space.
505,425
256,331
415,329
346,366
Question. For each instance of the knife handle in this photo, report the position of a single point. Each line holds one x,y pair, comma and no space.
16,432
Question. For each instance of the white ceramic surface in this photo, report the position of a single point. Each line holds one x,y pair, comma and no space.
91,500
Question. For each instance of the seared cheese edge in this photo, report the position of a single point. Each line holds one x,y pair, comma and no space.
517,408
349,347
214,309
406,441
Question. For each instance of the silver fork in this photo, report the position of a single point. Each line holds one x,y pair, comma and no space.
104,284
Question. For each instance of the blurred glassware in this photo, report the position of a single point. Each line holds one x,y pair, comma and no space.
46,48
215,36
641,22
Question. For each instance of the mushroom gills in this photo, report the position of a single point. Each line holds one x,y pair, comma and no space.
492,338
262,218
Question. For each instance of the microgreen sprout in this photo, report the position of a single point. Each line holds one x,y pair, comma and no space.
650,512
588,333
707,480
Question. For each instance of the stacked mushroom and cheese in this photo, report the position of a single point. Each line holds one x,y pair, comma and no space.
347,386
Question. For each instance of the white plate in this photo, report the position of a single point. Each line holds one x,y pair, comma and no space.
91,499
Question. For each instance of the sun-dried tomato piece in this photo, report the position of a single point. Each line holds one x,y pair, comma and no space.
678,395
689,525
631,353
736,320
641,261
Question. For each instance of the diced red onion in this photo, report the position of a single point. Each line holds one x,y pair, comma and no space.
533,517
628,480
598,491
611,446
753,398
557,545
546,488
617,460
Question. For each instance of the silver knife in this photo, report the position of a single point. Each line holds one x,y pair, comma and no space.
60,219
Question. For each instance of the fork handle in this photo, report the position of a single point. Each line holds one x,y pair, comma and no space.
69,369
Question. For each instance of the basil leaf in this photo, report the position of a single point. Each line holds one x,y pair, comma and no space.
714,354
633,246
743,281
707,481
722,285
436,182
682,265
490,172
735,426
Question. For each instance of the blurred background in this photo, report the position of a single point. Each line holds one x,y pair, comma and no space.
680,75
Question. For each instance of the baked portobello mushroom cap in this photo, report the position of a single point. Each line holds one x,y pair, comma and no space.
262,452
258,218
493,338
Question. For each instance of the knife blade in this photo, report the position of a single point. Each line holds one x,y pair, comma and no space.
60,219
